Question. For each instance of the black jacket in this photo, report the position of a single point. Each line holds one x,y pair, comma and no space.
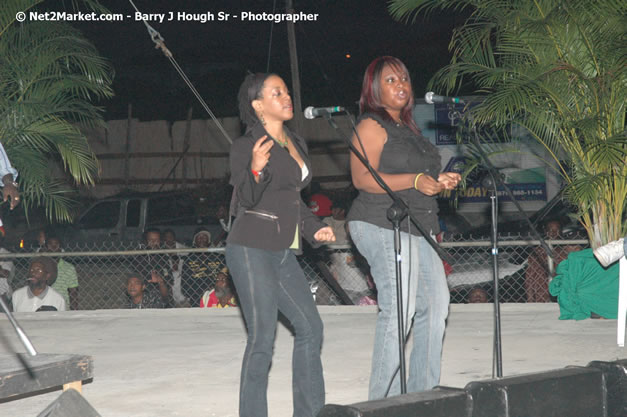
266,213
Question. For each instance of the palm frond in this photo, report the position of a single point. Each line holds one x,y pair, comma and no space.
558,70
10,8
608,154
49,74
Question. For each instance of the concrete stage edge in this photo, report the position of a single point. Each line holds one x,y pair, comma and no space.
186,362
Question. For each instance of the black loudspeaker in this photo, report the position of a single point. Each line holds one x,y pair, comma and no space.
69,404
616,383
568,392
438,402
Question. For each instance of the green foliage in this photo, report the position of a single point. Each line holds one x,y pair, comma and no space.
49,74
556,68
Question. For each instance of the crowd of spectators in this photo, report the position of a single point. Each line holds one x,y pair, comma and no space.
174,280
199,279
159,280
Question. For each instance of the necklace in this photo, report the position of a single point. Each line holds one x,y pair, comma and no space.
282,143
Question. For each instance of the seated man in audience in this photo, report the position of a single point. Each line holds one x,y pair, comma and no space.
541,269
66,282
199,269
222,295
142,296
477,295
41,240
155,268
37,295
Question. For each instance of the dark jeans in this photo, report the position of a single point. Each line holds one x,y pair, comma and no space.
268,282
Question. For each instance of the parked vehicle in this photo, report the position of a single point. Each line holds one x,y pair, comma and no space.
556,209
122,219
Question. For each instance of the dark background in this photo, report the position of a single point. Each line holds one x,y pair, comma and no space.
216,55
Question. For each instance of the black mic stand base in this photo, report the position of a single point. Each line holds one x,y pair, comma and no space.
395,214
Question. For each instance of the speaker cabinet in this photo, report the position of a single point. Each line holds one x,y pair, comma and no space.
69,404
572,392
616,383
438,402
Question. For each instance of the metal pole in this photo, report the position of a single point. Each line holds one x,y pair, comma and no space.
496,300
399,306
296,99
20,333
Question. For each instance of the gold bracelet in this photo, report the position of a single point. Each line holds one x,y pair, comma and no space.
416,180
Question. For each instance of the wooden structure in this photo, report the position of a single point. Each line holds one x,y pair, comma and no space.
46,371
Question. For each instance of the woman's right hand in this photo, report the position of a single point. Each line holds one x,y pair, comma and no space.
261,153
428,185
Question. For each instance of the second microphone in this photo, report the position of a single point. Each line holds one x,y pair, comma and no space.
313,112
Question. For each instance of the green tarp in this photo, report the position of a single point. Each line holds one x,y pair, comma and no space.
583,286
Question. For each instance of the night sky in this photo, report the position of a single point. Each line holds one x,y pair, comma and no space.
216,55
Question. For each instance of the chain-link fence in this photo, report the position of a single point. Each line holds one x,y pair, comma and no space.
337,274
524,268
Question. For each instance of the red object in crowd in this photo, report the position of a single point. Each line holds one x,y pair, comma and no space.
320,205
447,267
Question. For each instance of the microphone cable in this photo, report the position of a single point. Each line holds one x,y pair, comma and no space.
329,83
160,44
270,40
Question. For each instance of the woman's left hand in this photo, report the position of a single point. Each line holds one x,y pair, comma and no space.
449,179
325,235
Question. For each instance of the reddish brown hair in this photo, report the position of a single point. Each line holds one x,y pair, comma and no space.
370,100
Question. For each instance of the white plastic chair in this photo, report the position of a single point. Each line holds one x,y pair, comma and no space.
622,301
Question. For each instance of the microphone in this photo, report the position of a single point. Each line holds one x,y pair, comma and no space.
487,181
432,98
313,112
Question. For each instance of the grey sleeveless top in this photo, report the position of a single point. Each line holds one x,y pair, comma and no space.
403,152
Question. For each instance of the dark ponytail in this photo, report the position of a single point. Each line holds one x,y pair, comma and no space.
250,90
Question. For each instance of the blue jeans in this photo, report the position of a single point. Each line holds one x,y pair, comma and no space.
425,302
269,282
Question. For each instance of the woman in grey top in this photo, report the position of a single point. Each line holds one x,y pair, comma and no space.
410,165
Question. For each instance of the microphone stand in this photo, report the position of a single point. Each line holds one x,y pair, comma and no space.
20,333
23,338
496,179
397,212
497,352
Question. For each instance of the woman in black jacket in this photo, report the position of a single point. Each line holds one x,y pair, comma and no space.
269,168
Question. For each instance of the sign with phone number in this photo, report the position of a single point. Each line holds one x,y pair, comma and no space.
477,193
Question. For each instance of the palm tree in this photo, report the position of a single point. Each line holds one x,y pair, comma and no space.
557,69
49,74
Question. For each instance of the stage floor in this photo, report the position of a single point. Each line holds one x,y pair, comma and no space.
186,362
